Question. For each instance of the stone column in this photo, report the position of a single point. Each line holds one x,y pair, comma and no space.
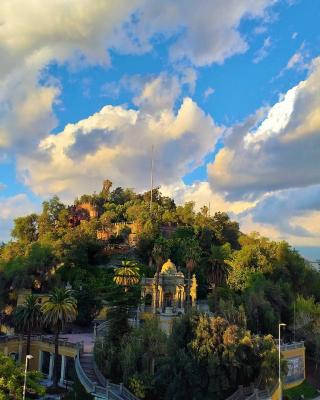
5,351
154,309
63,369
51,366
40,360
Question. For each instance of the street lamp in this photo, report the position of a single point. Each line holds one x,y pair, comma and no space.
28,357
280,387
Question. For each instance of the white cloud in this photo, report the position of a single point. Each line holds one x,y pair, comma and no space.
158,94
115,143
202,194
79,32
263,52
36,33
272,158
208,92
280,152
207,30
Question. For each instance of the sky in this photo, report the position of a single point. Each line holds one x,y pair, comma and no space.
227,93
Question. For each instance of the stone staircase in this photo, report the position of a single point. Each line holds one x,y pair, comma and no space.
92,379
86,361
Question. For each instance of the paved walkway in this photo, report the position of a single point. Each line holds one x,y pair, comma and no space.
86,338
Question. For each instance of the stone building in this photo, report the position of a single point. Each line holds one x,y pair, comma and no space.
172,295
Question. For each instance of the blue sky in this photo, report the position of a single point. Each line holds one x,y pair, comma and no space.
227,94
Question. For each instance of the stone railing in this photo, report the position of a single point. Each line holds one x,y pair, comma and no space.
252,393
291,346
241,393
107,390
85,381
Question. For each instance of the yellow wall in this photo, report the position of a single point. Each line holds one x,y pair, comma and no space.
290,353
275,395
19,346
23,294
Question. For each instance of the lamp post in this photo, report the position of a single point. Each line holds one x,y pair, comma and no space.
280,387
28,357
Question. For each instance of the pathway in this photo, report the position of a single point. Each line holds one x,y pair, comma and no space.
92,380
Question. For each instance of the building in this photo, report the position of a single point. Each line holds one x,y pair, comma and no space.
172,297
294,353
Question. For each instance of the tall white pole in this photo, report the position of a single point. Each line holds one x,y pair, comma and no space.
279,353
151,178
28,357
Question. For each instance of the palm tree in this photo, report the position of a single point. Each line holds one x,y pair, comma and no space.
160,253
192,252
127,275
59,309
28,317
218,268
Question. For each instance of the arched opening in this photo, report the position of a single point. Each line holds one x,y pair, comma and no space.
14,356
179,299
168,300
148,300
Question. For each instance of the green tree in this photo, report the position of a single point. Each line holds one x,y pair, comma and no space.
218,267
28,318
225,230
127,275
59,309
26,228
12,378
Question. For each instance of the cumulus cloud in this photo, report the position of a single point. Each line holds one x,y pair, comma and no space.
202,194
116,142
34,34
272,159
207,30
79,32
281,151
13,207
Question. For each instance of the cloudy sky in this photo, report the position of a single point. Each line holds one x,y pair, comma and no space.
227,92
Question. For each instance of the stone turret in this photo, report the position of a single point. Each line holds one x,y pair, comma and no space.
106,187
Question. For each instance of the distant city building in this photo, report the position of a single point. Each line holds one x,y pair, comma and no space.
315,264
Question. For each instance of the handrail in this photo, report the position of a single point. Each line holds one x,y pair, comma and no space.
100,377
85,381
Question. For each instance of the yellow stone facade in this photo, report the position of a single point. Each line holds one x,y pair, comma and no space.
295,355
172,295
15,346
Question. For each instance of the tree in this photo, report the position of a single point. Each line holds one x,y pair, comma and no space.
26,228
218,268
160,253
12,378
141,349
192,253
28,318
225,230
208,358
59,309
127,275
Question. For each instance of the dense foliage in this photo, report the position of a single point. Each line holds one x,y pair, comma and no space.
250,282
12,378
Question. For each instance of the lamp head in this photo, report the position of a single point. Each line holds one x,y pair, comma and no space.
29,357
282,324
